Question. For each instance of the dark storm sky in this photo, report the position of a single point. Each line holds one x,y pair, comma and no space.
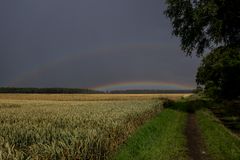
84,43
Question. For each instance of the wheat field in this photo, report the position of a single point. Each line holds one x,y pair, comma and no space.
70,126
89,97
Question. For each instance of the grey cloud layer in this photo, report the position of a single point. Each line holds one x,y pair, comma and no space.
56,43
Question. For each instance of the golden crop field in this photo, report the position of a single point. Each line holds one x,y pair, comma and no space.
89,97
81,127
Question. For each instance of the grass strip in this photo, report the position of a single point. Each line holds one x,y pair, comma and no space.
220,142
161,138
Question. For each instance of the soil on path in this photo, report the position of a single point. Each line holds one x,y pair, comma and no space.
196,149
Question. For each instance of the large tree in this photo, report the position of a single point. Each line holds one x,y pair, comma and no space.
212,25
220,73
202,24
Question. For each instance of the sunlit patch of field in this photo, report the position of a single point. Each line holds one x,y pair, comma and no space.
70,126
89,97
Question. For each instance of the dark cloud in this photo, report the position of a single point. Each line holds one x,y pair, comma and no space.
72,43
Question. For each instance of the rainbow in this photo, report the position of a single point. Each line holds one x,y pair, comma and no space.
104,51
143,85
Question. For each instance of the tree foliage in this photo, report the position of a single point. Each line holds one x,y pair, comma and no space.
202,24
220,73
213,25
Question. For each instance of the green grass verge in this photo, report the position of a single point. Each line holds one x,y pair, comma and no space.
161,138
220,142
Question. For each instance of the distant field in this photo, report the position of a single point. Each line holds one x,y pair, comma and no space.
70,126
89,97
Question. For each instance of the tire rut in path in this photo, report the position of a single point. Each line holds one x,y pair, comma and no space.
195,145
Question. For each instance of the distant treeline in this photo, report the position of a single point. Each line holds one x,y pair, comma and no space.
85,91
149,91
47,90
